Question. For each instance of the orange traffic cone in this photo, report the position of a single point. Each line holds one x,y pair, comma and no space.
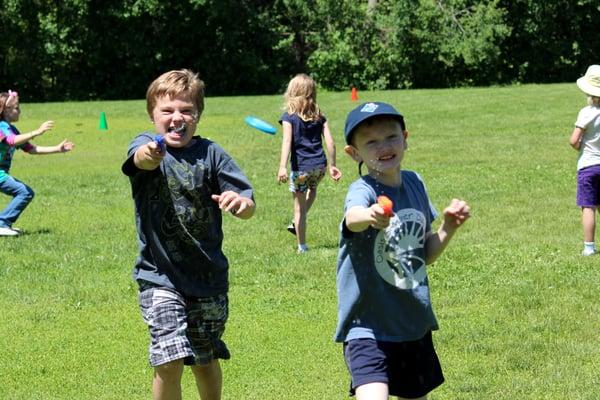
354,95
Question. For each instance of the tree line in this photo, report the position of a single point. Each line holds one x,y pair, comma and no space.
112,49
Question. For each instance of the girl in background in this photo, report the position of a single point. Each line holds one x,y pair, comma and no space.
586,139
304,127
10,140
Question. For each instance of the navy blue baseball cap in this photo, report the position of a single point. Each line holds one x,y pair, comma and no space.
366,111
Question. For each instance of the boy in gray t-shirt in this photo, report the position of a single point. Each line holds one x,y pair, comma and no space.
385,316
181,183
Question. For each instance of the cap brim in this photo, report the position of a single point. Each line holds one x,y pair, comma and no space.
587,88
351,129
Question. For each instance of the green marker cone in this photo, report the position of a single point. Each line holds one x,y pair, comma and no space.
103,125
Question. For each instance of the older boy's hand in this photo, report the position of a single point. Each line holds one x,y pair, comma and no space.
148,156
456,213
230,201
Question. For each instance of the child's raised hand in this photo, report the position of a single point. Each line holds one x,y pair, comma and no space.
456,213
46,126
282,175
335,173
65,146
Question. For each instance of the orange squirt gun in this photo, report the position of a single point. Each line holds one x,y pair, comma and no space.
387,205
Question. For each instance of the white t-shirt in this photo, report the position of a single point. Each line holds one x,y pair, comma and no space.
589,152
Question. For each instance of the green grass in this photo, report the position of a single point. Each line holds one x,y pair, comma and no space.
516,302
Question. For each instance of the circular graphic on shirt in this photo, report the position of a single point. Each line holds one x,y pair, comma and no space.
398,251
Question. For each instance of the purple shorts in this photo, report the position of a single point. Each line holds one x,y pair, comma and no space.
410,369
588,186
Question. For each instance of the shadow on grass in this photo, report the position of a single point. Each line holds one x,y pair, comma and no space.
42,231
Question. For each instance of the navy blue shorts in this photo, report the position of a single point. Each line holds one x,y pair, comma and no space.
410,369
588,186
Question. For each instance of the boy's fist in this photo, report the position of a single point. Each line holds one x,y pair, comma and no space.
387,205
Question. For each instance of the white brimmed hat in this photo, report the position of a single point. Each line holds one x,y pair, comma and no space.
590,82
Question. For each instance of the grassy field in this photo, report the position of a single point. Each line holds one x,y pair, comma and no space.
517,304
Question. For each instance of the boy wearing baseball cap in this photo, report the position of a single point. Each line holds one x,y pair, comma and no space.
385,317
586,139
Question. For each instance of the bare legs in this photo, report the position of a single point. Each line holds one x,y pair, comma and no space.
303,201
377,391
209,380
588,219
166,384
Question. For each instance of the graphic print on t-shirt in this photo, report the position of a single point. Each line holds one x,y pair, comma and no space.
398,251
191,204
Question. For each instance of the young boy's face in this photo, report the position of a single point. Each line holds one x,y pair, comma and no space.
379,144
176,118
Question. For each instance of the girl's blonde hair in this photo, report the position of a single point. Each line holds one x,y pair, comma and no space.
301,98
593,101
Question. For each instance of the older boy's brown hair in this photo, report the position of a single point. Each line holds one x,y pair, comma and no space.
175,83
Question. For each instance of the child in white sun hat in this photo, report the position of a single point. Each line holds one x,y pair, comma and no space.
586,139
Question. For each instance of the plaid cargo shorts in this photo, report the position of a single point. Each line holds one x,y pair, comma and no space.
180,327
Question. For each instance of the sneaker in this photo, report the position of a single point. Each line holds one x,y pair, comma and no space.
588,252
6,231
291,228
302,249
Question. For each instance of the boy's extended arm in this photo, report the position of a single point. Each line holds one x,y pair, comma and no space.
148,156
576,136
334,172
359,218
286,147
454,216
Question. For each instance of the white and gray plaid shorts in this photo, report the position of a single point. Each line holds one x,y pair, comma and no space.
180,327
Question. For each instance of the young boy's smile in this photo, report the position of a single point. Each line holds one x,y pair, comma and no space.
176,118
380,145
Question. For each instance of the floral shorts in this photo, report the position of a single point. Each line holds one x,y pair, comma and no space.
301,181
184,328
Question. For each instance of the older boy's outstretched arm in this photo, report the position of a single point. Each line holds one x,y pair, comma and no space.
454,216
148,156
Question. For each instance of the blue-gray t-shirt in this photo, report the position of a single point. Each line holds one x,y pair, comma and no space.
179,226
382,285
307,144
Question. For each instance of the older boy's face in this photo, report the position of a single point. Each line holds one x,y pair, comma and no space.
176,118
380,145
